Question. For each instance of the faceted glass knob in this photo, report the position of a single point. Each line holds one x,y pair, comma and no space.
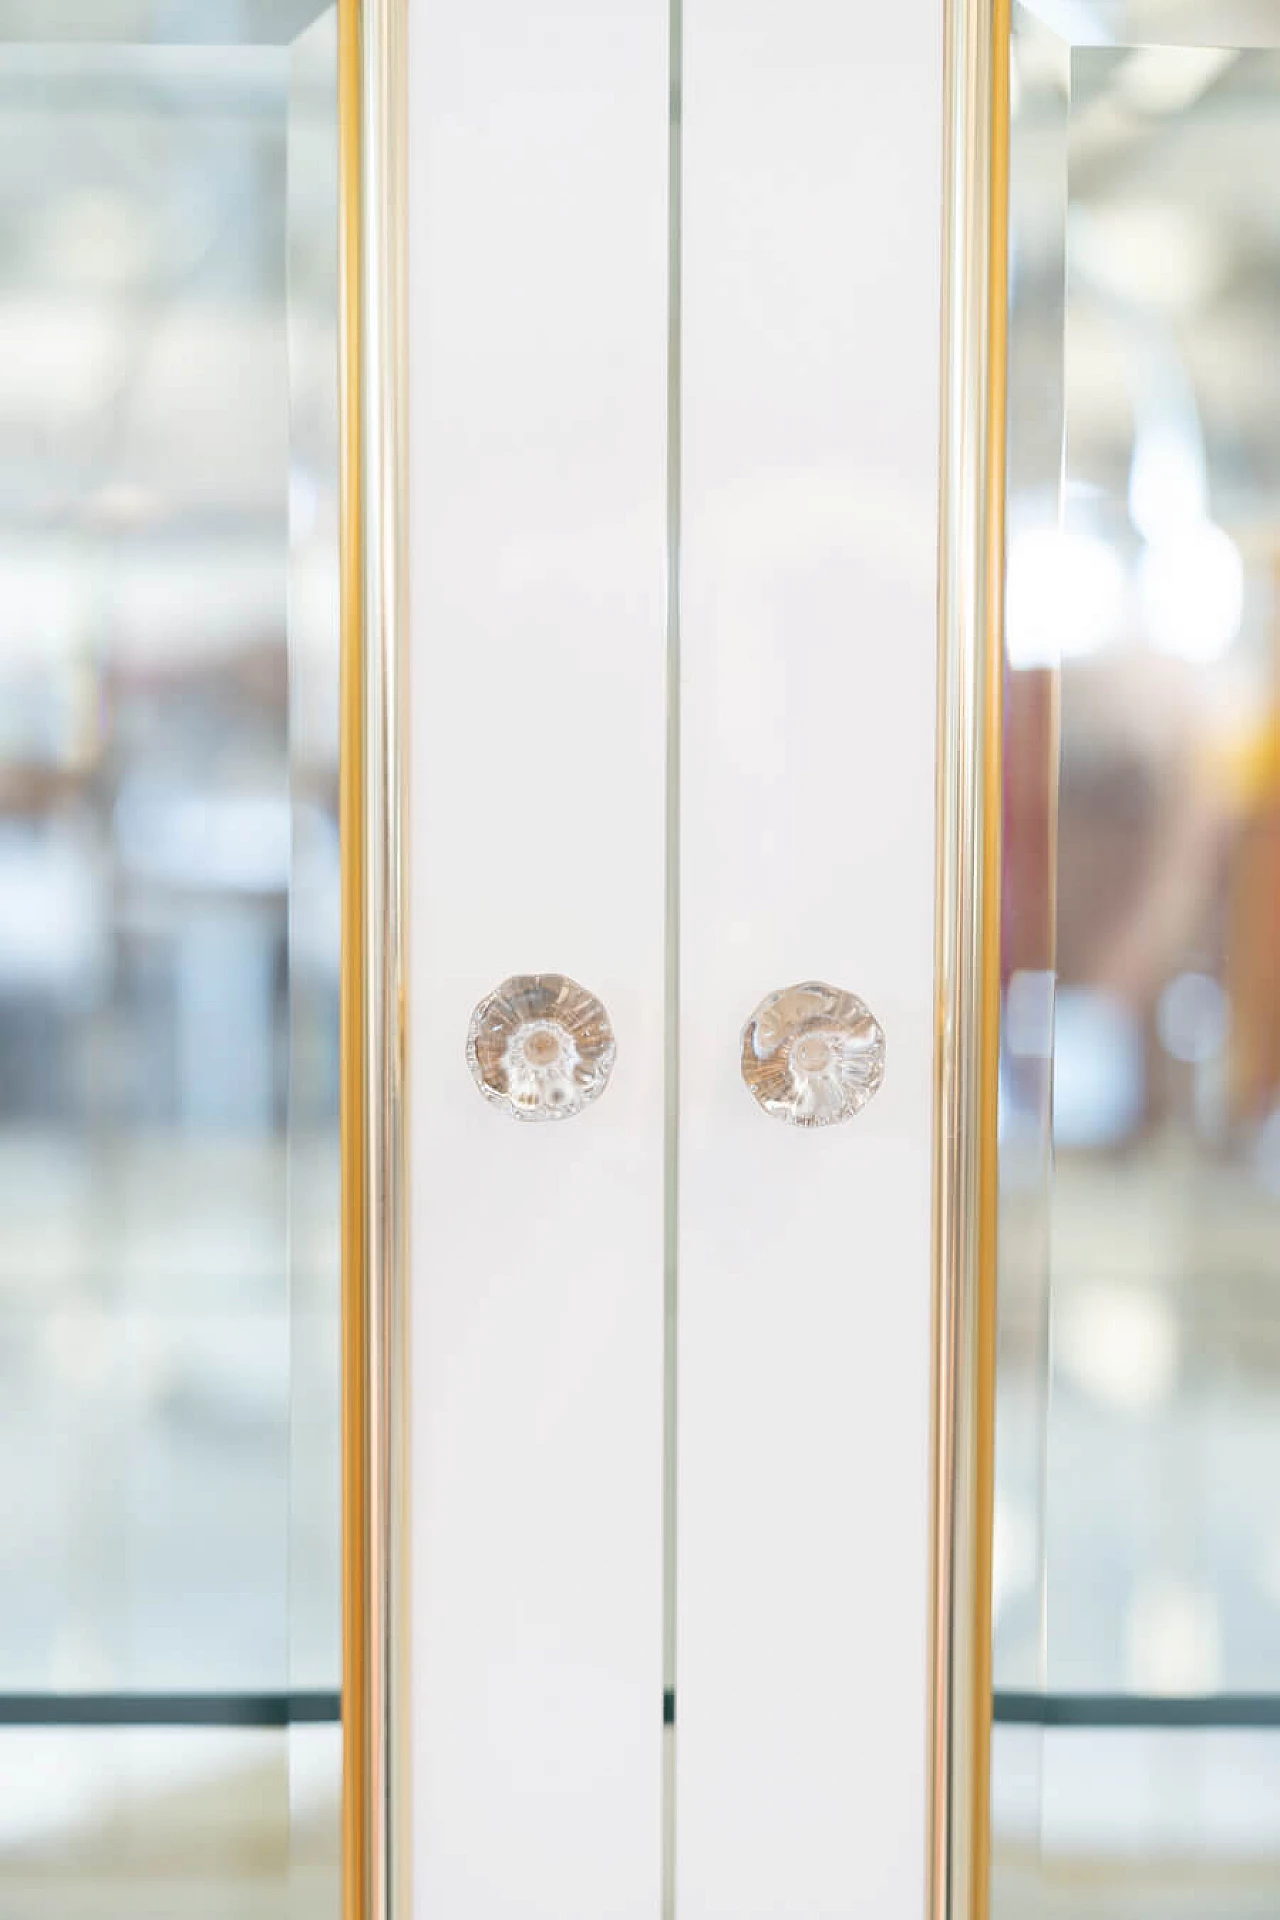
540,1046
812,1054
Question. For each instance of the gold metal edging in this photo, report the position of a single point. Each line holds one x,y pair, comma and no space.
971,573
375,1878
354,1096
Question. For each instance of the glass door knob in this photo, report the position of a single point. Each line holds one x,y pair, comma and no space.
540,1047
812,1054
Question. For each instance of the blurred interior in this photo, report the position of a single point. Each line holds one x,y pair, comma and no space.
1138,1503
169,959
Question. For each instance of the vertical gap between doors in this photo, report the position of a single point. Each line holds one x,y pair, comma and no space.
671,982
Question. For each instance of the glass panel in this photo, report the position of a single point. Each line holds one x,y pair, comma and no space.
168,961
1137,1633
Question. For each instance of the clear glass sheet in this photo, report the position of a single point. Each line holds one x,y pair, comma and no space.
314,935
1134,1766
1037,306
1166,1200
168,1163
145,863
1039,87
315,883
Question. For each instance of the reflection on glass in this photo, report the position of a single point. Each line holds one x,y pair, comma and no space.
1137,1529
168,952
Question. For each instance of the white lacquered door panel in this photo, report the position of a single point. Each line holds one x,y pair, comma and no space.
812,241
809,362
537,317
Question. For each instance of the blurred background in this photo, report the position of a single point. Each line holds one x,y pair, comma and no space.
169,933
1137,1576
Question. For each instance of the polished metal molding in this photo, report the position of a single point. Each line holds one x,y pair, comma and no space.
377,1817
971,578
812,1055
540,1047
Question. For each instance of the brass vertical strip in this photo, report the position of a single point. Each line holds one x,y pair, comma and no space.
373,807
991,671
356,1759
971,578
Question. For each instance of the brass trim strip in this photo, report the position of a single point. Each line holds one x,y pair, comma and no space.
373,809
355,1365
971,574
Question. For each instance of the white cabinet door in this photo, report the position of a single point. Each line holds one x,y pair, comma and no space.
811,199
538,381
812,249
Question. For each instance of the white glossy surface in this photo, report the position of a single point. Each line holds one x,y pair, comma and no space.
812,246
812,243
537,321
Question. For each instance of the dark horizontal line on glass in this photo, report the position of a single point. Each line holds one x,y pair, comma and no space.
170,1709
1210,1710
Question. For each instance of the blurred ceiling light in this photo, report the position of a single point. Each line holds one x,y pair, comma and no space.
1117,1344
1147,254
1168,484
43,604
1099,1069
1193,1018
1168,79
1064,596
52,937
1191,588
